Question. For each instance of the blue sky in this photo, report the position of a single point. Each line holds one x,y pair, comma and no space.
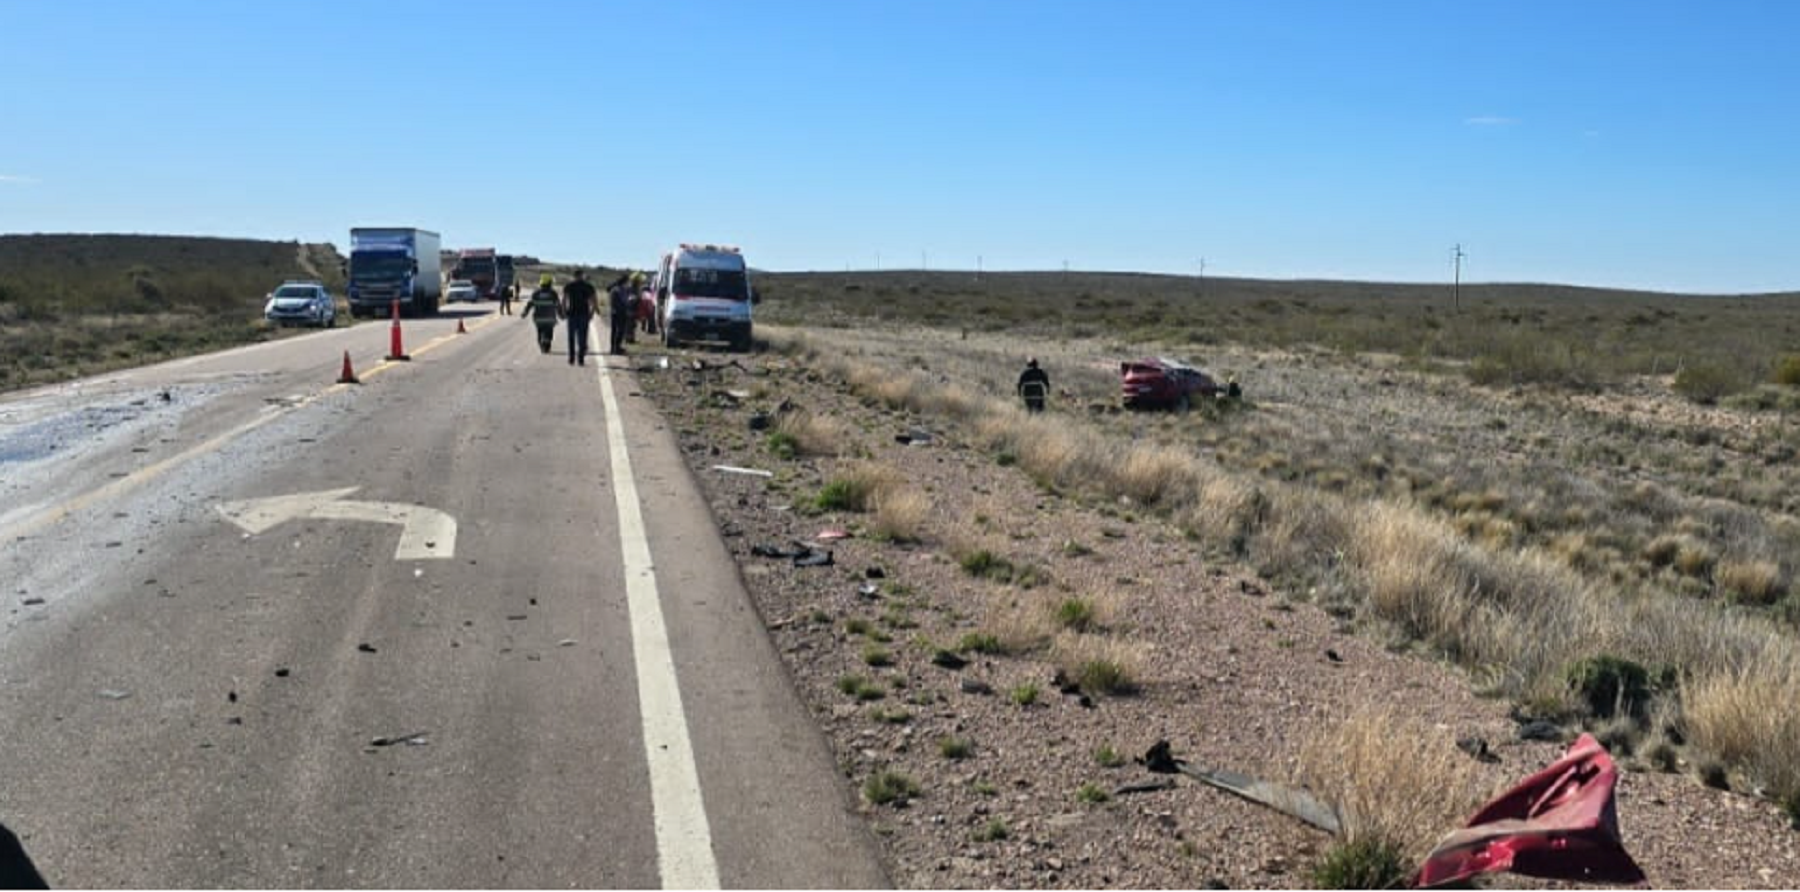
1637,144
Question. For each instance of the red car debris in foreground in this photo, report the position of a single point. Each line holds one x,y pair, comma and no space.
1561,823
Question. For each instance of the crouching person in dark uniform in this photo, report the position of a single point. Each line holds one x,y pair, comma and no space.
1034,385
543,308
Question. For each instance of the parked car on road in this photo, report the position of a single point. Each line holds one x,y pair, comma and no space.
462,290
301,303
1160,383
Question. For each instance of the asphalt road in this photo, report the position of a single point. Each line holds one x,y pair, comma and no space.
466,624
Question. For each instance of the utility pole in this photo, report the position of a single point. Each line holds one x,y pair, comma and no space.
978,267
1456,283
1202,277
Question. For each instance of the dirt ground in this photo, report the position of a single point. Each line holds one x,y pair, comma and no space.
1232,673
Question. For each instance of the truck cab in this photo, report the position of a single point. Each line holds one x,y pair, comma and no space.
704,295
389,265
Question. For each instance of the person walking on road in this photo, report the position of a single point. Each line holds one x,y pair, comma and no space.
580,303
618,298
543,308
506,298
1034,385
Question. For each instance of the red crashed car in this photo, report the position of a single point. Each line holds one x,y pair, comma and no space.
1164,384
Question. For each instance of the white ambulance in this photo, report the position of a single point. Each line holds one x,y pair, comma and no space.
703,294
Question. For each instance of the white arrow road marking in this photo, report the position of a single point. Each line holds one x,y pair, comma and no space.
425,532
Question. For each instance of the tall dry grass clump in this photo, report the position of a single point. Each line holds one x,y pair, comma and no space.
901,514
1101,664
1747,717
1392,779
1020,621
1225,512
814,434
1751,581
1155,474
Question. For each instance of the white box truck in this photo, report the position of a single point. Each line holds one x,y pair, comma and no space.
704,294
393,263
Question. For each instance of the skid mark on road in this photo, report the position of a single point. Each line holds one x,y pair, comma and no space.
684,852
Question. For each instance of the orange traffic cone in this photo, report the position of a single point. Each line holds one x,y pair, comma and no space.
348,375
459,327
396,353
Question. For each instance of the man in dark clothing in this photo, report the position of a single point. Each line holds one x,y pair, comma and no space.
542,308
1034,385
506,298
618,298
580,302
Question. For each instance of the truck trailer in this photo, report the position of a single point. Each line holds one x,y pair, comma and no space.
480,266
393,263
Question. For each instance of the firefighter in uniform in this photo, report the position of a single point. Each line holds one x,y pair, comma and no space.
543,308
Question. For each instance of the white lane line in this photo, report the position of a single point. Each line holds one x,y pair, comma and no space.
684,851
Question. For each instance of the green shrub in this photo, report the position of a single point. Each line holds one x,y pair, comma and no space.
1105,677
1076,614
993,831
1611,685
860,688
843,494
1362,864
1706,383
980,642
956,748
890,787
876,655
987,565
1025,694
1787,370
1092,794
1107,757
783,445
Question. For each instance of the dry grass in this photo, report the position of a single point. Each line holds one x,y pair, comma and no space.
901,514
1746,717
1392,779
1153,474
815,434
1020,621
1518,600
1752,581
1102,664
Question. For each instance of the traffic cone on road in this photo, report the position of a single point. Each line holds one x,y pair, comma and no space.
348,375
395,352
459,327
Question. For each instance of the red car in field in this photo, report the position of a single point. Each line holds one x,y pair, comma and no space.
1164,384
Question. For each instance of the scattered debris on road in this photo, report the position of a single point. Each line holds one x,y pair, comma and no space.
418,738
113,693
366,647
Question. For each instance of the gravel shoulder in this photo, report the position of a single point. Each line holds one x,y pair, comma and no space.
1232,673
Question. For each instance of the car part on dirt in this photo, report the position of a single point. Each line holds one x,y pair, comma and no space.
1289,801
1561,823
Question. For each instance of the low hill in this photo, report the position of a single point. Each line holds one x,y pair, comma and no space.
79,304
